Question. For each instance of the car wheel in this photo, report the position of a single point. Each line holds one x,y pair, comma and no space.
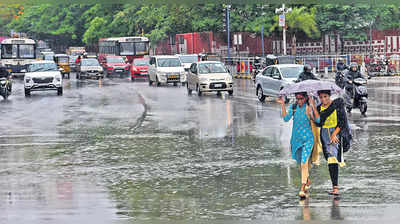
132,79
189,90
199,91
260,94
27,92
157,82
59,91
68,75
230,92
175,84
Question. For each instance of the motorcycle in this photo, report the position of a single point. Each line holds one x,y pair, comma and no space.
339,79
5,88
357,95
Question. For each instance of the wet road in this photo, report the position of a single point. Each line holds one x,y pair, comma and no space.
113,151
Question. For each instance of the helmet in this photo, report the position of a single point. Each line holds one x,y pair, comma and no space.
307,68
354,65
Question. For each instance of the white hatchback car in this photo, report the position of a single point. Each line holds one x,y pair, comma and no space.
41,76
209,76
166,69
187,60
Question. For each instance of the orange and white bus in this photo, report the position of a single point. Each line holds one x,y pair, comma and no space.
129,47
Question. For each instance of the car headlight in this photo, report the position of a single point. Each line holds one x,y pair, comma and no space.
203,80
58,79
162,74
182,73
228,79
27,79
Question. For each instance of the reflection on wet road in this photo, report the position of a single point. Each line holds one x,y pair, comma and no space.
121,152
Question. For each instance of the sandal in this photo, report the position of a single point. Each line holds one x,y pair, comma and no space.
302,193
335,191
308,185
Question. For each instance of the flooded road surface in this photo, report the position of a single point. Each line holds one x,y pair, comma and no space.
121,152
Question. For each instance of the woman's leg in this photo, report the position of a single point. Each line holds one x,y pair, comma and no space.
304,172
334,173
304,178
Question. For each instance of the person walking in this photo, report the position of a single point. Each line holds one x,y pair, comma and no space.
331,117
302,140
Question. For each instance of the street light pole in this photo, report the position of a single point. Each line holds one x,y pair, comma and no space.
228,7
283,11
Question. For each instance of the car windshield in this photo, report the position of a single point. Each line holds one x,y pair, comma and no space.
206,68
116,60
90,62
169,62
291,72
42,67
188,59
141,62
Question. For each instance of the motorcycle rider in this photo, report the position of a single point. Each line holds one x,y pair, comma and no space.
350,75
339,78
306,74
341,66
5,74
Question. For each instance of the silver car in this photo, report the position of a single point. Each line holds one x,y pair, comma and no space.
272,79
89,68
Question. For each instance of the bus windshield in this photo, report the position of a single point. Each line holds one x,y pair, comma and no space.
141,48
25,51
134,48
126,49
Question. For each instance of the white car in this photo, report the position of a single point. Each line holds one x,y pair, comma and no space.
42,76
166,69
187,60
272,79
209,76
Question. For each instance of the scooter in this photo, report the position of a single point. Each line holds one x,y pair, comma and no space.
339,79
5,88
358,97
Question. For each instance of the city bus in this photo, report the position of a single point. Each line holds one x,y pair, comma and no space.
17,54
129,47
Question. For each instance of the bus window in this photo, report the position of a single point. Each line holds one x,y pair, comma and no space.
26,51
7,51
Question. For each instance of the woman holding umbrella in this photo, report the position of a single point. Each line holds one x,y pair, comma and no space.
302,140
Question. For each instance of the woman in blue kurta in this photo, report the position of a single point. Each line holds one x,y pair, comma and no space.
302,140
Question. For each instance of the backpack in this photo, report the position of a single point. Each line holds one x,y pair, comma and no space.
346,136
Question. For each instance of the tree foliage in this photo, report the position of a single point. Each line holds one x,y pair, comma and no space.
85,23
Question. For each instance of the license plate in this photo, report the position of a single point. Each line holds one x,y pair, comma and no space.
119,70
173,77
218,85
